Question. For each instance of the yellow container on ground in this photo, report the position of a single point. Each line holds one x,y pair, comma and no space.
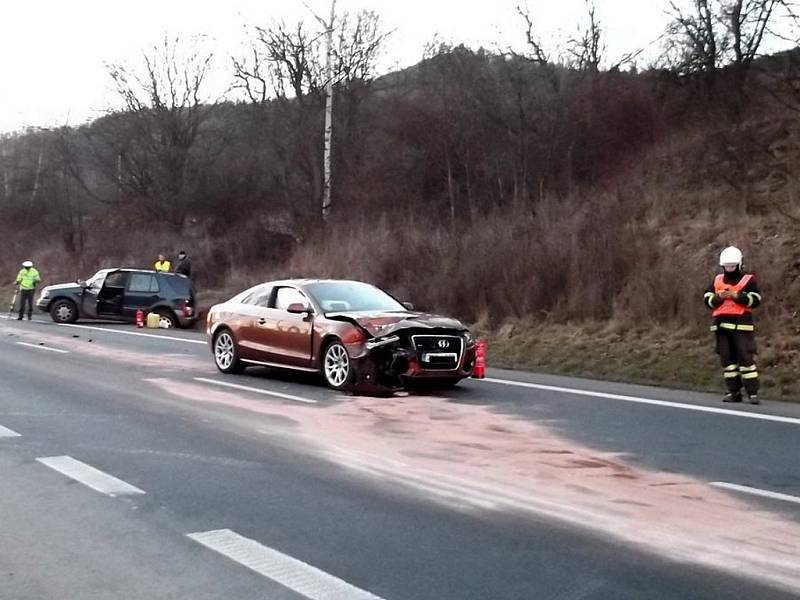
153,320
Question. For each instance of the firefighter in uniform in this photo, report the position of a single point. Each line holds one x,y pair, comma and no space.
732,297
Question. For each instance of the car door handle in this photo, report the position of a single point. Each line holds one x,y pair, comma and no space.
262,321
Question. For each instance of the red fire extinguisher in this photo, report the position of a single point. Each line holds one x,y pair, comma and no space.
140,318
479,371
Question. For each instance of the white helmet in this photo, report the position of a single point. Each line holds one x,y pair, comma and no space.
27,264
730,256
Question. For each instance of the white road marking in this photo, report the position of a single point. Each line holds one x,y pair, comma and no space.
6,432
245,388
89,476
756,491
121,332
291,573
636,399
43,348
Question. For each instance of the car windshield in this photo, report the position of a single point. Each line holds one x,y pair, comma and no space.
335,296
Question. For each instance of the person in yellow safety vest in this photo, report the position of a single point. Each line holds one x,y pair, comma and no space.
27,280
732,297
162,264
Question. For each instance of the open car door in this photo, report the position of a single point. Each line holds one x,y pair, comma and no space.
90,296
109,301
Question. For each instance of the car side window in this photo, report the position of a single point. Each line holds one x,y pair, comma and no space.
143,283
287,296
116,279
259,297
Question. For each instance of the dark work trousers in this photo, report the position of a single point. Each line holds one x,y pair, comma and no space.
26,297
737,353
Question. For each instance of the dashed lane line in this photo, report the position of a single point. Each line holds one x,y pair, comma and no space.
6,432
254,390
756,491
89,476
40,347
306,580
137,333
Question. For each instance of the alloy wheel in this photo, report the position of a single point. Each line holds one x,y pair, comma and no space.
224,351
337,365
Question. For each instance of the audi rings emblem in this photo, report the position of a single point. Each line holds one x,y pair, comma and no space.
443,344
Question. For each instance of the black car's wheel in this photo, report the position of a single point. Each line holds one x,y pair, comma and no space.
166,319
226,357
64,311
337,369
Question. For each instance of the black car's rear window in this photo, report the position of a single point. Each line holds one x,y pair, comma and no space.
179,286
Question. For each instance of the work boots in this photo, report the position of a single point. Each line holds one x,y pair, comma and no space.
732,397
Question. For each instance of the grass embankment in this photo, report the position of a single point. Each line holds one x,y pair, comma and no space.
681,358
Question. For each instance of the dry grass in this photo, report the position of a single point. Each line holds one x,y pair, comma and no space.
676,357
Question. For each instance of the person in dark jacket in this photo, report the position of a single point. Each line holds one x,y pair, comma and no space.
184,265
732,296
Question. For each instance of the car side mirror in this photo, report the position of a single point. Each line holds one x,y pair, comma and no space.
408,305
83,284
297,308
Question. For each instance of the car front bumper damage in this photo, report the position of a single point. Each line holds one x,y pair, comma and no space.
390,362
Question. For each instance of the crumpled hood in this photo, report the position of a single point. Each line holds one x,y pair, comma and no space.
380,323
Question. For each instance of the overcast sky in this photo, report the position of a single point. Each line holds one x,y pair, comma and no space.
52,52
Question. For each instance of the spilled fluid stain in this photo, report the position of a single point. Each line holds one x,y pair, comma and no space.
470,456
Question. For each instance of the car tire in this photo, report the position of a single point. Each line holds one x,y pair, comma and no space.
166,319
64,311
337,368
226,356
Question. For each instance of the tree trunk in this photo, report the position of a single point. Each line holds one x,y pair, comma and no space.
451,194
37,178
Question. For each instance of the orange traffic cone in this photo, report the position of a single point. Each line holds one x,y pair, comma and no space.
479,371
139,318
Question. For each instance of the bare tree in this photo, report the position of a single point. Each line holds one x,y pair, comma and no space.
721,32
536,51
693,38
285,75
147,150
587,49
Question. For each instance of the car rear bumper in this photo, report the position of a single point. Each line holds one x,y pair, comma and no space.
186,322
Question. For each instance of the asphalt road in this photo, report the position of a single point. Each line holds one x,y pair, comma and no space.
524,486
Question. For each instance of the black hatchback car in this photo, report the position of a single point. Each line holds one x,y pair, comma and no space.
117,294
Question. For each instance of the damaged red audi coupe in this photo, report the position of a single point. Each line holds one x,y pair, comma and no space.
357,336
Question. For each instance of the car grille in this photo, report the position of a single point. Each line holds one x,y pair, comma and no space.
438,352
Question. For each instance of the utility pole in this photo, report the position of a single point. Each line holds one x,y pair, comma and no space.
326,194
